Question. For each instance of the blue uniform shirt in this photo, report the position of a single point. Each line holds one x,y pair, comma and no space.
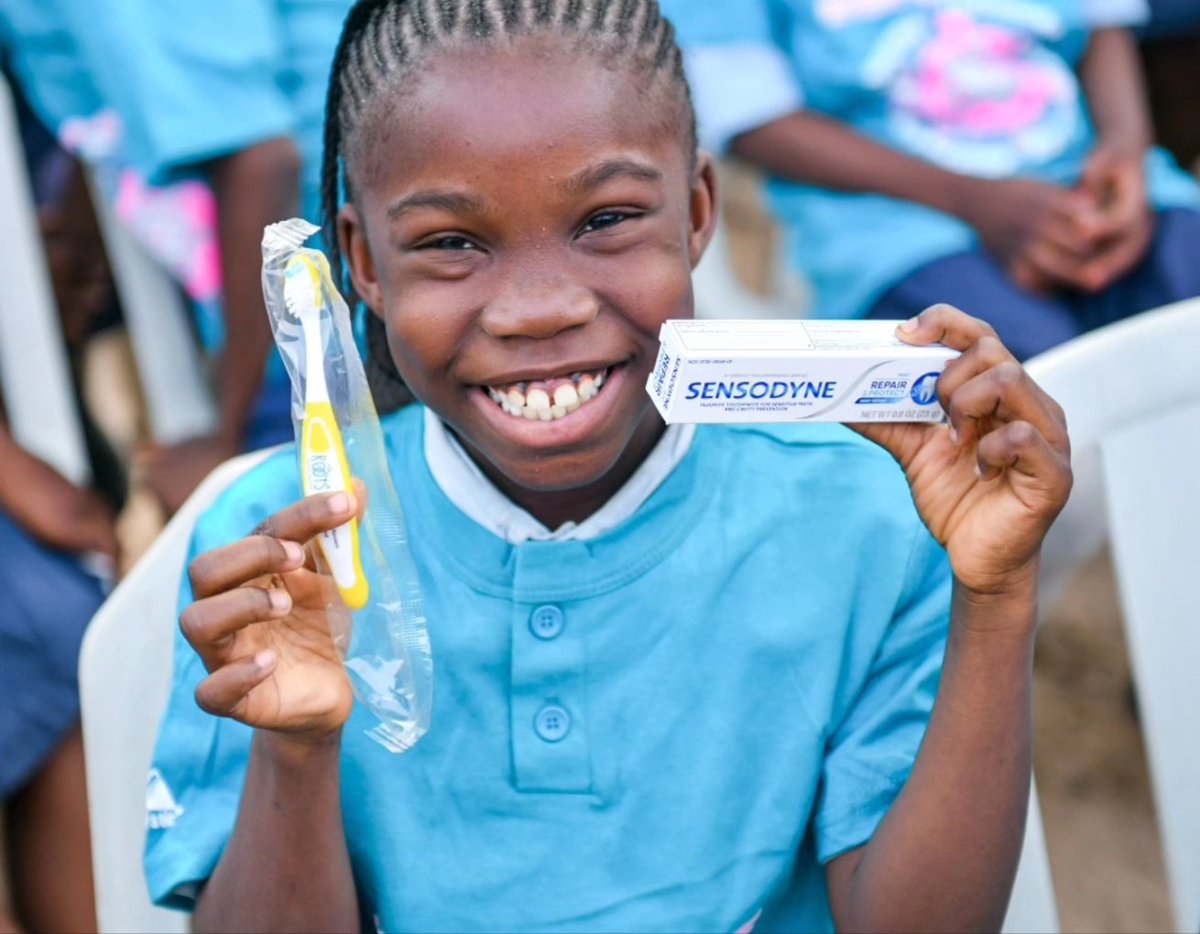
670,727
980,87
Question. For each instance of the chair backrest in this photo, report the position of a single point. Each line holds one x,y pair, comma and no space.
125,678
1132,396
34,373
179,403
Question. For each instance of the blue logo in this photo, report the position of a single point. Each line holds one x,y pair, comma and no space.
924,390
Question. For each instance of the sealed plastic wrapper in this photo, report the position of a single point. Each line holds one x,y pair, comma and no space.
376,617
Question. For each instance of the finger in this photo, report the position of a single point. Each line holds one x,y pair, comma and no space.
210,625
1117,258
1054,264
1004,393
944,324
224,692
308,518
985,353
234,565
1075,236
1019,446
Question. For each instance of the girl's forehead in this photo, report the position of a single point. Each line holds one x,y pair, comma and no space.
491,106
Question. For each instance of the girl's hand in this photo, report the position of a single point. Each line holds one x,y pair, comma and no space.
262,623
989,484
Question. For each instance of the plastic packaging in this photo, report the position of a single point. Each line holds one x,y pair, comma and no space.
384,642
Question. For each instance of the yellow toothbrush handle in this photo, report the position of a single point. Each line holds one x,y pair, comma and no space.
326,470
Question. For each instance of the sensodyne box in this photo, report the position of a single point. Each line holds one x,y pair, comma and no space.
792,371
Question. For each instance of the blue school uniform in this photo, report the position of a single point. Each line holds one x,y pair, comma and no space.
190,81
980,87
669,727
46,602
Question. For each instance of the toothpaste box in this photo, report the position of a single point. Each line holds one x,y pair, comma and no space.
794,371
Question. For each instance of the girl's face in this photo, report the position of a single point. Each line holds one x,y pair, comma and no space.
524,223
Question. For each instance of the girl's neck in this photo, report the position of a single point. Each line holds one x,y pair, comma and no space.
554,508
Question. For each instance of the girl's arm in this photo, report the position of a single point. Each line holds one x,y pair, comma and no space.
261,626
988,486
945,856
287,867
1039,231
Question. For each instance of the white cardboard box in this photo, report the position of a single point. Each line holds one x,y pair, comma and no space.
792,371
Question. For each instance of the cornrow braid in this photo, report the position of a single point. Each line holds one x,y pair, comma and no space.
384,41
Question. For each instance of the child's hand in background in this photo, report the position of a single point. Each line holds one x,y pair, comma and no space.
989,484
262,622
1043,234
1115,180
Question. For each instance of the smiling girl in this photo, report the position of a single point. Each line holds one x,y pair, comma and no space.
686,679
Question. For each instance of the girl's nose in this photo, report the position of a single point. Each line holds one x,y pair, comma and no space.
540,311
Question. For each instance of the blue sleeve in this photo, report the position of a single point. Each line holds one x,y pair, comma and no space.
738,65
871,752
199,765
191,81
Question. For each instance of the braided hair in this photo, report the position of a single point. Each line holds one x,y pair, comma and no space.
383,42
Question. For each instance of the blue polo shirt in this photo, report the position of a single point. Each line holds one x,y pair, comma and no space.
669,727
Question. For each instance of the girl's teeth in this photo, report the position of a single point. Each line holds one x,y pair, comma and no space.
537,403
565,395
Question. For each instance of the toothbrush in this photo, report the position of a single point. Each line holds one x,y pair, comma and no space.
324,468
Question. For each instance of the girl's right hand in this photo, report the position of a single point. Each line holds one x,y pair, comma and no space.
262,623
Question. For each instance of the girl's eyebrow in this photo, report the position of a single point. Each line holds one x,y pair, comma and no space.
623,167
452,202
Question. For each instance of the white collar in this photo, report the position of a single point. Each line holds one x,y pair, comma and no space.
475,495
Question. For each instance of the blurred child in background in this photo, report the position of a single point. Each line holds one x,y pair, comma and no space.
993,155
213,112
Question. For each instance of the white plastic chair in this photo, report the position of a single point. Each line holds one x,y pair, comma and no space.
1132,396
125,679
179,402
34,373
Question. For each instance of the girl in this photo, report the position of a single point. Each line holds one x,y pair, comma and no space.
682,676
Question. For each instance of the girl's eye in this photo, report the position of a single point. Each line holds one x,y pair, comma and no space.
605,220
450,243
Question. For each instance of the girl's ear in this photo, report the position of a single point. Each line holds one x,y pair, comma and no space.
704,208
352,240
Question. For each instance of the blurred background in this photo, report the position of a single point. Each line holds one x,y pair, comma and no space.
142,151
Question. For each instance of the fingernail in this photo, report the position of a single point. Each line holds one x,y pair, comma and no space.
280,601
264,660
910,325
339,503
294,552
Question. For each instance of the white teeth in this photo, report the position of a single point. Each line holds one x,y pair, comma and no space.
539,405
565,395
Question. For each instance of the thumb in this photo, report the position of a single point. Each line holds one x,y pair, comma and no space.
900,439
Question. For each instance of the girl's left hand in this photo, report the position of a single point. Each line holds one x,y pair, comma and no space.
989,484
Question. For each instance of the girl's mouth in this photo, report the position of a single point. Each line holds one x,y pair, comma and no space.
548,400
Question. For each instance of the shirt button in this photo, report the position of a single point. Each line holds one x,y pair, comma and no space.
546,622
552,723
